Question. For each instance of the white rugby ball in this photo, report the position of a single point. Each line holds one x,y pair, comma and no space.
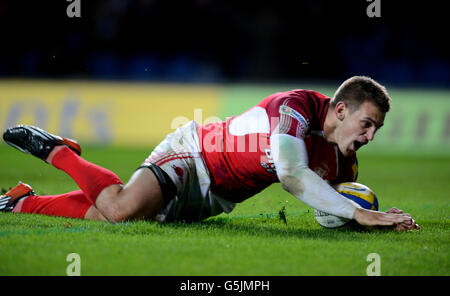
357,193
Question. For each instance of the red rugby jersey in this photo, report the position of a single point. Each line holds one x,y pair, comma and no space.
237,151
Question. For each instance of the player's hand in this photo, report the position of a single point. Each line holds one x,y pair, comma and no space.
394,211
393,218
401,226
411,224
404,227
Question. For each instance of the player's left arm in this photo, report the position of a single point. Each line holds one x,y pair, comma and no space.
291,163
290,158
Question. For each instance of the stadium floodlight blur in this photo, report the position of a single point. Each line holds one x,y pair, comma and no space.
226,41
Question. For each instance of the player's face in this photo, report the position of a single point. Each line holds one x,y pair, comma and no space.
357,128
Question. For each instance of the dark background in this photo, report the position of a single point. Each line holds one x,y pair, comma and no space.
227,41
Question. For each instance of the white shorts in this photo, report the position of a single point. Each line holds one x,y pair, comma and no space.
179,155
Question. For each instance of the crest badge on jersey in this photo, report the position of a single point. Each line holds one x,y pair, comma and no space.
302,122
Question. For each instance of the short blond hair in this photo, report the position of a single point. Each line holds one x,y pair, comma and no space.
359,89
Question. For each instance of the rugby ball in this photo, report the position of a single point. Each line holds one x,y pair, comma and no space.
356,192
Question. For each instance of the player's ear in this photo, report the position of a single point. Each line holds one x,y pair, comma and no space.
339,110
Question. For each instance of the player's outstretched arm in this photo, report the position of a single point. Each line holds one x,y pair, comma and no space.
291,162
290,157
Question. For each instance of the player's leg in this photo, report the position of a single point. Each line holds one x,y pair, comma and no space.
141,197
93,214
22,199
76,205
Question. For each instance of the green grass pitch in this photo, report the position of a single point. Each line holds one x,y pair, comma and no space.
252,240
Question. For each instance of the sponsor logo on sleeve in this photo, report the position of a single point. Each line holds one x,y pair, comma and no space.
302,122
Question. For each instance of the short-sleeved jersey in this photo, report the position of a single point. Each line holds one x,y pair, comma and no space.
237,151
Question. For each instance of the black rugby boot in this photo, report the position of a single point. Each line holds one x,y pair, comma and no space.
36,141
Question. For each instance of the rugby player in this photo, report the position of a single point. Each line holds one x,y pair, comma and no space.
300,138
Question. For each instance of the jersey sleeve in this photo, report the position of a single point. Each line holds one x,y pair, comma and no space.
289,115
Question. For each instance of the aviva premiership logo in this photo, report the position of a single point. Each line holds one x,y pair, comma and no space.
303,123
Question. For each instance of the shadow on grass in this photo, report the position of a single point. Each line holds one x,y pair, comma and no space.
272,228
252,227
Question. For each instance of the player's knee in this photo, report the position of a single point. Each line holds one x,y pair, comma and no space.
118,217
111,206
116,213
94,214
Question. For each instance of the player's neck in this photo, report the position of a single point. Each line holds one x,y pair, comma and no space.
329,126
